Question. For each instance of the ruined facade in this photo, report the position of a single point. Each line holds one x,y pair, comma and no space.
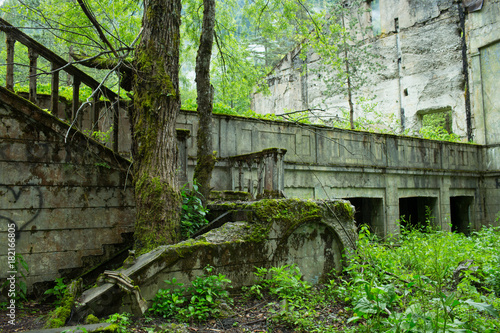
437,56
70,201
73,209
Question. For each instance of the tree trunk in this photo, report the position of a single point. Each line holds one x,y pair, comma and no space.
349,91
156,106
348,75
205,155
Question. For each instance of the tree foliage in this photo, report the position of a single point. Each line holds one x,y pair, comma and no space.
340,40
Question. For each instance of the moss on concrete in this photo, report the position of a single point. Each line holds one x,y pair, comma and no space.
286,213
91,319
343,210
59,316
113,328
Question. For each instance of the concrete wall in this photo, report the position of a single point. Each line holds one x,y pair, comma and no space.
422,73
483,43
68,200
326,163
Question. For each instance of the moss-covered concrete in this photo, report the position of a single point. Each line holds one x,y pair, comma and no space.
311,234
59,316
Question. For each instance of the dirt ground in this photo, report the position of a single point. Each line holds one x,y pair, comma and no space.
246,316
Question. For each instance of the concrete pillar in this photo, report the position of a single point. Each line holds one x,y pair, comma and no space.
391,205
444,218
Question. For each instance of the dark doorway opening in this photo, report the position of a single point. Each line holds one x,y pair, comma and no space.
369,211
460,208
418,212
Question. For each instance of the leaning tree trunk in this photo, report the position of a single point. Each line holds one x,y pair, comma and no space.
156,106
205,155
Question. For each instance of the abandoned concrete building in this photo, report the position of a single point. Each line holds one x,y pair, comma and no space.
72,201
437,56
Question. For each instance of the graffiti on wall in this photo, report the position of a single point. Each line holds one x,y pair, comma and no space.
20,205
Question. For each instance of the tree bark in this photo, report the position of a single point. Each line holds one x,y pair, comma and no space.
348,75
156,106
205,154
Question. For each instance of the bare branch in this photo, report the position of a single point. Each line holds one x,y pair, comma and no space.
88,101
97,26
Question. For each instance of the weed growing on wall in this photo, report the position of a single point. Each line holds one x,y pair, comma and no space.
102,137
22,269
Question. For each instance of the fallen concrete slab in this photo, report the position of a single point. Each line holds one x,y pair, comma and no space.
73,329
314,235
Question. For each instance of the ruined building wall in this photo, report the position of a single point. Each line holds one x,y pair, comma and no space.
483,45
71,201
380,170
420,50
67,200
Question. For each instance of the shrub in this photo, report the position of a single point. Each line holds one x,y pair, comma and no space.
198,302
193,215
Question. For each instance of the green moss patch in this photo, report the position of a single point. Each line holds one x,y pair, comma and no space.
59,316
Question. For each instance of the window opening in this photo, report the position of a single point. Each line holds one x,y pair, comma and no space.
460,208
369,211
418,213
376,26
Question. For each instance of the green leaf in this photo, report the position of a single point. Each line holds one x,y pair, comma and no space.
483,307
365,306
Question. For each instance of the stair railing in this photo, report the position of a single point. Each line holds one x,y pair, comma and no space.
58,64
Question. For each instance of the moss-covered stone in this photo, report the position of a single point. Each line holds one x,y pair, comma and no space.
230,195
343,210
113,328
59,316
91,319
286,213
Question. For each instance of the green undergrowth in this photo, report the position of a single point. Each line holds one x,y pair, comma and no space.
405,284
198,302
414,284
421,281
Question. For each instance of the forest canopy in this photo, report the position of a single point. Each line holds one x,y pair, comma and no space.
250,38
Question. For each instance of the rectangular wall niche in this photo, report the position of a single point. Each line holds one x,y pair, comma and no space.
461,208
414,212
433,119
369,211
